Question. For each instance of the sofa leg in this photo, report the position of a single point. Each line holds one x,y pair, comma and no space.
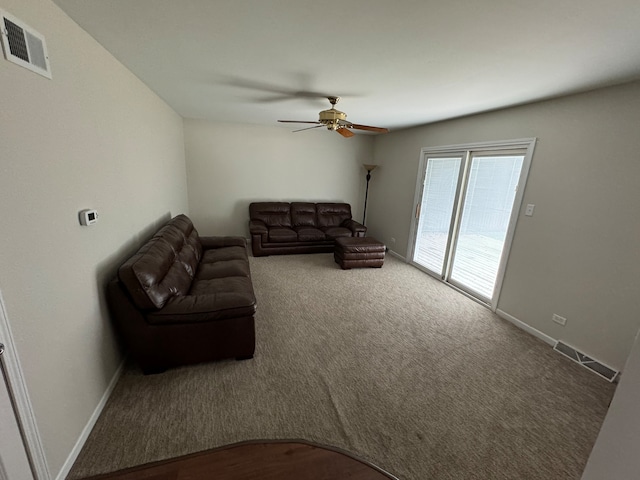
244,357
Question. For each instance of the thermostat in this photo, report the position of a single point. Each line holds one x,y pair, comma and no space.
88,217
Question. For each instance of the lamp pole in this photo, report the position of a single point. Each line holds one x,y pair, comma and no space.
369,169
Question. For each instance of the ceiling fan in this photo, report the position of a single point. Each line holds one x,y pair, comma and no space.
337,121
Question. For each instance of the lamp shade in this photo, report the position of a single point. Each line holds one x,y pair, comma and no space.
369,167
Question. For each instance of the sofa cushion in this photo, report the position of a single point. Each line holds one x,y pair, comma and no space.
332,214
181,234
227,253
281,234
222,269
208,300
303,214
337,232
164,267
309,234
223,285
219,242
273,214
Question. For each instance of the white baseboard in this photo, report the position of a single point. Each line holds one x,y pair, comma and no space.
397,255
527,328
75,451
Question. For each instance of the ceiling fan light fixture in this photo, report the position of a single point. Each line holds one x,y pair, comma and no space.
336,121
332,115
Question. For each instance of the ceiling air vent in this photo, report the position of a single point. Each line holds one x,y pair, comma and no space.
24,46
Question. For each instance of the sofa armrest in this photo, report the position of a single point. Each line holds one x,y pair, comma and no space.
219,242
258,227
357,228
259,233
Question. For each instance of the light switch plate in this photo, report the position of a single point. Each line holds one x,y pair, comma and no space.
529,210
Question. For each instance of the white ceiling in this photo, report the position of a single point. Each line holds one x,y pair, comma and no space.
395,63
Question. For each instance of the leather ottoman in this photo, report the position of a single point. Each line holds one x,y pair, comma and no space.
355,252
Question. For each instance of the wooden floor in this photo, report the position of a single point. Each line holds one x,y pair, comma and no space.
258,460
476,262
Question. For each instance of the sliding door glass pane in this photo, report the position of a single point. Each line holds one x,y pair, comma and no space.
438,197
491,190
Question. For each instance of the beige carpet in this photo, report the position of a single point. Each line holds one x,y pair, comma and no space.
388,364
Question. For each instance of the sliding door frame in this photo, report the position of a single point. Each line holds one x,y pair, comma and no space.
527,144
460,184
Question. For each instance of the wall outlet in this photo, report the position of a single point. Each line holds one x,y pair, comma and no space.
559,320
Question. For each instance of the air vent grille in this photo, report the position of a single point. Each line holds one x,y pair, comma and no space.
36,48
24,46
16,39
588,362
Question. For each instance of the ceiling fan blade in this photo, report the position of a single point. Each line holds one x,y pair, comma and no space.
371,129
345,132
308,128
283,91
296,121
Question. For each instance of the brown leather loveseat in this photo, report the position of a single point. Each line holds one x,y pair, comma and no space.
299,227
185,299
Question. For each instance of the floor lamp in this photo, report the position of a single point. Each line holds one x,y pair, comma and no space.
369,168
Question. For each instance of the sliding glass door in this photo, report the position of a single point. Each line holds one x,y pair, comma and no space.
435,212
465,215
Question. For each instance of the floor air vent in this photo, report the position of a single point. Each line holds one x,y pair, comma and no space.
585,361
24,46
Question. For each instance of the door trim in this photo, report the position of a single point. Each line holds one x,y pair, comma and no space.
18,390
511,228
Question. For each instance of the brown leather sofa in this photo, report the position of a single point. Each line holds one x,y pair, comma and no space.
279,228
185,299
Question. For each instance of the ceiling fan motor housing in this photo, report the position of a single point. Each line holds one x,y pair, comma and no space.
336,121
331,118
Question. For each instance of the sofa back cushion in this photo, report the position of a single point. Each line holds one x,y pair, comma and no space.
332,214
303,214
164,266
273,214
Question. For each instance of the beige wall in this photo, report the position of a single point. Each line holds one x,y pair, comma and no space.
578,256
229,166
95,137
92,137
